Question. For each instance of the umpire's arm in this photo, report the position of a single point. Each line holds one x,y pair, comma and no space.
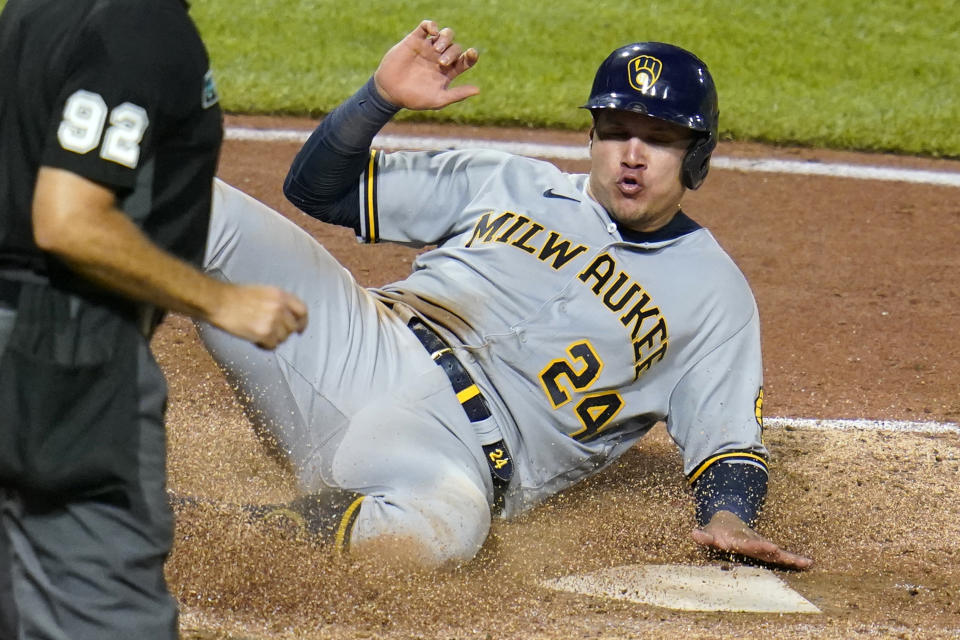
77,220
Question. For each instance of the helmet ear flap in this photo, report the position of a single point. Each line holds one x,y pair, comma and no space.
696,163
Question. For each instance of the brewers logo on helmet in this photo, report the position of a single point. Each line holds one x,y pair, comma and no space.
644,72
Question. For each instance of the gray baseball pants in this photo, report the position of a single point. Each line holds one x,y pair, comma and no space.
355,401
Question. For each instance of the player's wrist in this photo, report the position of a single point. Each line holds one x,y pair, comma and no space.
737,488
373,93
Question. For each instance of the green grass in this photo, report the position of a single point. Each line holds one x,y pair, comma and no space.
880,75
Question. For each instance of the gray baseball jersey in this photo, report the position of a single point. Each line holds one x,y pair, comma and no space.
580,340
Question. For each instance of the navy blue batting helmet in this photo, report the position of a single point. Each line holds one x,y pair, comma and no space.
665,82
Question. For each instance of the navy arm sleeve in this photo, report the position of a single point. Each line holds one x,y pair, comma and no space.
323,180
730,485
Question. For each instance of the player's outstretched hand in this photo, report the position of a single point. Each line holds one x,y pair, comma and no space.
263,315
417,71
727,532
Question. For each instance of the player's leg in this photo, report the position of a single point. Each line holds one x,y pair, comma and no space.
415,457
249,242
355,401
403,478
404,483
304,391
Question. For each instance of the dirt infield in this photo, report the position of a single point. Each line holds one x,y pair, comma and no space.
858,284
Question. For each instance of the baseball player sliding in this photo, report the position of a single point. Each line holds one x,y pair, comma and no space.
558,319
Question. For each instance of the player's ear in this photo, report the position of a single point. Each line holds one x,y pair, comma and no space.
590,140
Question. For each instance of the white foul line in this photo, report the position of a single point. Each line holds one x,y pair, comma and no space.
903,426
859,172
579,152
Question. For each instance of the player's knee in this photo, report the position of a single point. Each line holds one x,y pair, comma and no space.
459,522
442,528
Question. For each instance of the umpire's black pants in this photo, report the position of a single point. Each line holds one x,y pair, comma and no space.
85,526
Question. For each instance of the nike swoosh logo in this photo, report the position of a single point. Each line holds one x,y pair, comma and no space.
551,193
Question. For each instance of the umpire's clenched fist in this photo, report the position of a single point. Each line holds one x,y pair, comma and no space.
263,315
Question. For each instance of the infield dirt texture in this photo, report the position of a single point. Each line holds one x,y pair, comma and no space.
858,284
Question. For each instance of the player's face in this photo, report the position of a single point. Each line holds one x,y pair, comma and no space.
635,167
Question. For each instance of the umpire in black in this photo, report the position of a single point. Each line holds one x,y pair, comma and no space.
110,131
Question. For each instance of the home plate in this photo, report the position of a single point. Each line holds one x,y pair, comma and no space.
690,588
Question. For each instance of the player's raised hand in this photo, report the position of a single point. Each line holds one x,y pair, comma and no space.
727,532
417,71
263,315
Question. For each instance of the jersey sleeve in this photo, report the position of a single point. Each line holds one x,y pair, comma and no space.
135,68
412,197
715,410
322,180
421,198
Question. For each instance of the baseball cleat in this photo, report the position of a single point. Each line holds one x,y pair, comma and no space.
327,515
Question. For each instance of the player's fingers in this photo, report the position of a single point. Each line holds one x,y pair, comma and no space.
702,537
755,547
425,30
794,560
758,548
443,40
456,94
466,60
283,314
285,323
736,542
769,552
450,56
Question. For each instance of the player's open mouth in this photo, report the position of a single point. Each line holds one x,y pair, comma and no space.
629,186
